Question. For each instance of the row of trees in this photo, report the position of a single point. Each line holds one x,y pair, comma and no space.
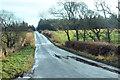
46,24
76,15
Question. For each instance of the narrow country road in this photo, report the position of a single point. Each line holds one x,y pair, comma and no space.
51,62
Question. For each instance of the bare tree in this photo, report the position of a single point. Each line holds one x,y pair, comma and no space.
102,6
83,13
73,11
66,11
10,30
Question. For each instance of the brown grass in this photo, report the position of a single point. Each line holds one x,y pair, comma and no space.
29,39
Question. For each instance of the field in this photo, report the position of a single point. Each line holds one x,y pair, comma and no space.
61,35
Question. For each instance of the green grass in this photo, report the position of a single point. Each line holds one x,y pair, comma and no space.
20,61
61,35
114,37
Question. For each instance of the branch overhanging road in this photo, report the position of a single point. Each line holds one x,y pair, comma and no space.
52,62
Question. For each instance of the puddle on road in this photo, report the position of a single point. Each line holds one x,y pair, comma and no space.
60,57
57,56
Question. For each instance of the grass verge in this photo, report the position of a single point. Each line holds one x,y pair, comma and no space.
19,62
111,62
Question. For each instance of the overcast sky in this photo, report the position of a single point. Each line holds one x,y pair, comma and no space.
30,10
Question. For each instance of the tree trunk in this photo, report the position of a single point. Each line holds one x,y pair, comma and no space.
8,41
68,36
93,38
77,35
98,37
108,34
97,33
84,37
